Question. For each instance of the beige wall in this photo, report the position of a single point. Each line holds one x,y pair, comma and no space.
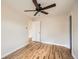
54,29
74,14
13,30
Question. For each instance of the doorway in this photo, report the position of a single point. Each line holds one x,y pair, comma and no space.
36,31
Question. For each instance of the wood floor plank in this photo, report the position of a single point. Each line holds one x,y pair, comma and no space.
37,50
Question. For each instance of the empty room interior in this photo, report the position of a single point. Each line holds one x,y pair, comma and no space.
39,29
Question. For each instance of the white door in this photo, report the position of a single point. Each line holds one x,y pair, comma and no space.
36,30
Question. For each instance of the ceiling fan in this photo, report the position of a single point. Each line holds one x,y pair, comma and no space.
39,8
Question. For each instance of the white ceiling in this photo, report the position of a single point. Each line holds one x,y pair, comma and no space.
62,6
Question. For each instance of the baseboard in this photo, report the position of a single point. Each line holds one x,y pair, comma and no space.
13,51
73,55
56,44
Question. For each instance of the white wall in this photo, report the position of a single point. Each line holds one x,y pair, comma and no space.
13,30
74,14
55,29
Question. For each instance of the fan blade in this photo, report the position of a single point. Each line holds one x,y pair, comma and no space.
36,13
36,4
50,6
44,12
28,10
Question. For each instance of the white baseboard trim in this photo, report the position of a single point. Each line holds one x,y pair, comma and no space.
73,55
56,44
13,51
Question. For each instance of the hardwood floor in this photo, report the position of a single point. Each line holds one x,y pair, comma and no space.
37,50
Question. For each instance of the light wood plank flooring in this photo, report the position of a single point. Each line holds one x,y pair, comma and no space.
37,50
